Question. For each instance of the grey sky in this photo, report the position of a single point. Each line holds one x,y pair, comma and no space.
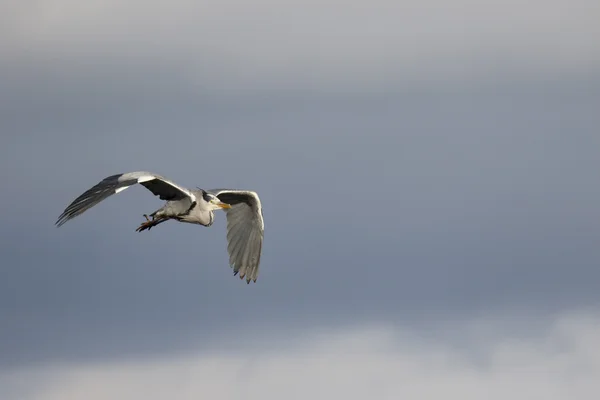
351,45
418,165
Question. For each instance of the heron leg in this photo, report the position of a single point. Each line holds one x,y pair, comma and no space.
150,223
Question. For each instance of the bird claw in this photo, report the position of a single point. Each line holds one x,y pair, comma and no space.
150,223
145,225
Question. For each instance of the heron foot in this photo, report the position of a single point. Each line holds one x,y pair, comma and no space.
145,225
150,223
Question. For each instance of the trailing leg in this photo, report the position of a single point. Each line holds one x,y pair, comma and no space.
151,222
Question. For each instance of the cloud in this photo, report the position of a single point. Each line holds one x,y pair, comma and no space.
445,204
233,45
376,361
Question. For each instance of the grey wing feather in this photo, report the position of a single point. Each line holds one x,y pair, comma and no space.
159,186
245,231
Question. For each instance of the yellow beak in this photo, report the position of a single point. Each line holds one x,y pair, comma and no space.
224,205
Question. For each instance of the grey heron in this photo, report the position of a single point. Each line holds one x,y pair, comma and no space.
245,225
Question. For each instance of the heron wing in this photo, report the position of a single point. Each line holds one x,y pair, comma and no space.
245,229
159,186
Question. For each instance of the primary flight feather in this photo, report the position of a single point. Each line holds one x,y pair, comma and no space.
245,225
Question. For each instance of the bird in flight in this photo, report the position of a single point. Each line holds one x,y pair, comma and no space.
245,225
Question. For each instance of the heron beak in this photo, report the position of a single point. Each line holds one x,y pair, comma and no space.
224,205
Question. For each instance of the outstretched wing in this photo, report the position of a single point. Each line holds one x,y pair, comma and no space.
158,185
245,228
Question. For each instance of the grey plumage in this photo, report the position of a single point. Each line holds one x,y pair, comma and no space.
245,225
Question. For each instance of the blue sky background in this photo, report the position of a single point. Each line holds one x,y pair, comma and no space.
429,178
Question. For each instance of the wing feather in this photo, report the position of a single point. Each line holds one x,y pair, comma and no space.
158,185
245,231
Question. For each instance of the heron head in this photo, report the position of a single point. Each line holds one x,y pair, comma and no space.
214,202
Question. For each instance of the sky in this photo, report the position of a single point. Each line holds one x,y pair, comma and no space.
429,179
